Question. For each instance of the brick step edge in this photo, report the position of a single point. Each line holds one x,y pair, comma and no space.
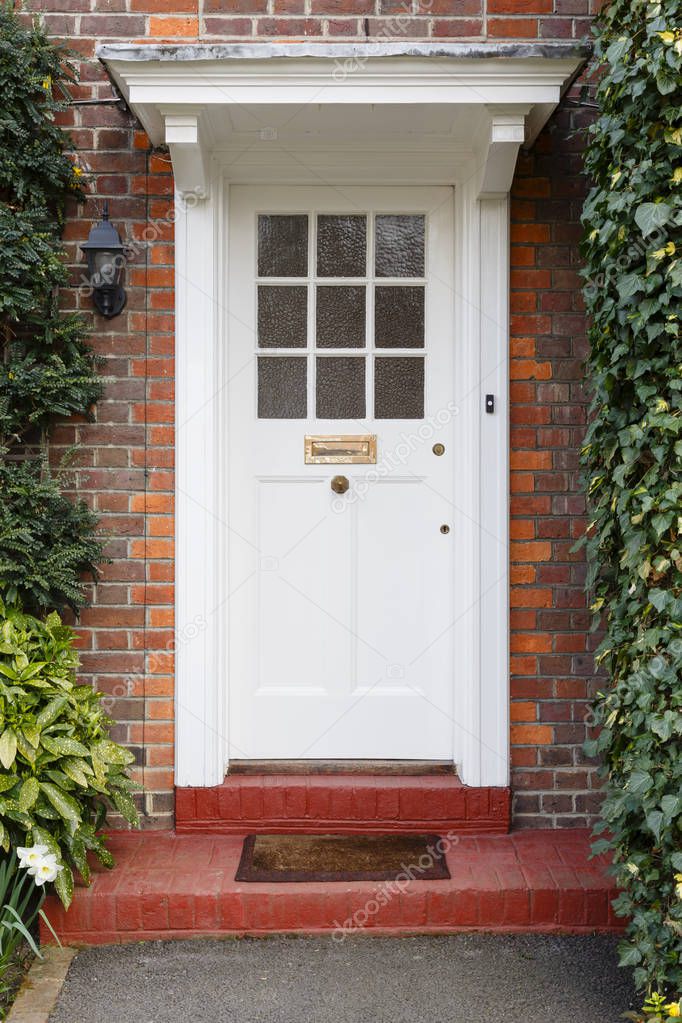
341,804
120,919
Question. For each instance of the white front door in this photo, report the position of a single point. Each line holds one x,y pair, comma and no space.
340,324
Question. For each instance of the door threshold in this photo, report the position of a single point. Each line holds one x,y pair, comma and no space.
377,767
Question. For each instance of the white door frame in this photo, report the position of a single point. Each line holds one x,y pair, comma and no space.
181,97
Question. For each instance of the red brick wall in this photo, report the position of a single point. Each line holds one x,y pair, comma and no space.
207,20
125,462
126,459
551,647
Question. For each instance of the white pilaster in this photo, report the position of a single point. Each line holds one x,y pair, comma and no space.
200,632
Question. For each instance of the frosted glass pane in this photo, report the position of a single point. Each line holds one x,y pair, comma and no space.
341,245
399,240
282,388
340,317
341,388
282,316
399,317
398,388
283,245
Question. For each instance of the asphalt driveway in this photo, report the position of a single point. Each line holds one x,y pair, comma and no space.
454,979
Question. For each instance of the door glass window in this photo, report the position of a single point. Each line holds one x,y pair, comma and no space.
399,317
332,282
341,314
399,246
340,388
399,388
282,316
282,388
342,245
283,245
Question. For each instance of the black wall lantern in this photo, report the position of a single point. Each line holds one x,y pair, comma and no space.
106,259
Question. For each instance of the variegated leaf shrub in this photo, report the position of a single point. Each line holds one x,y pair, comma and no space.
59,770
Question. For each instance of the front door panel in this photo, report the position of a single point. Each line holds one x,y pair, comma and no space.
341,603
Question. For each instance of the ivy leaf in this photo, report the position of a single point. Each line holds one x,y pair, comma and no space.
654,821
651,215
639,783
659,598
670,805
629,285
629,956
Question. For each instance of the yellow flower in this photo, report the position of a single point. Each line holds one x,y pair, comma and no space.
677,176
47,83
77,172
667,37
673,1010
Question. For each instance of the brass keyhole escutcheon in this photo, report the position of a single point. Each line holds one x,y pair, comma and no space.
438,449
445,528
340,484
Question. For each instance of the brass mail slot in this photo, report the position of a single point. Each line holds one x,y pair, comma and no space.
338,450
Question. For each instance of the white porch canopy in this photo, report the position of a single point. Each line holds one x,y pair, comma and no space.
393,113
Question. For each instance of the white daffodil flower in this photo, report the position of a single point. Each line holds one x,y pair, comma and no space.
45,871
32,855
50,860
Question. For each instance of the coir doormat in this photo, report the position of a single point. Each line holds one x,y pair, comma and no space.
341,858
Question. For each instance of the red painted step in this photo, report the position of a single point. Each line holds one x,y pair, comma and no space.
178,886
341,803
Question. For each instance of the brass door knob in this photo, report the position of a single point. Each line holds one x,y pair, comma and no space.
340,484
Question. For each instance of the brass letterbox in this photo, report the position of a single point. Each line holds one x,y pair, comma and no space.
338,450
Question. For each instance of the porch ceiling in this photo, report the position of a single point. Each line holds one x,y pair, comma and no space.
300,112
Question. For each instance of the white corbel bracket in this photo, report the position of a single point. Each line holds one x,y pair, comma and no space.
499,148
186,142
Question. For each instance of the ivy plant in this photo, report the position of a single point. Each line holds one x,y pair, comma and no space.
47,368
59,770
633,460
